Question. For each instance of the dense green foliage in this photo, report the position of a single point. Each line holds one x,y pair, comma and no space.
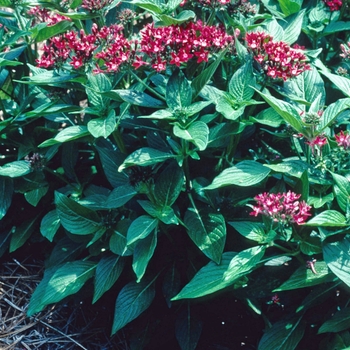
198,170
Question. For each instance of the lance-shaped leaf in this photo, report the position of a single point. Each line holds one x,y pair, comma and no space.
208,231
143,252
102,127
285,334
240,86
332,111
15,169
197,133
134,97
132,300
337,257
60,282
246,173
340,321
253,230
178,91
169,185
76,218
141,228
68,134
108,271
341,83
144,157
285,110
50,223
292,28
6,191
214,277
304,277
120,195
21,234
330,218
342,190
188,329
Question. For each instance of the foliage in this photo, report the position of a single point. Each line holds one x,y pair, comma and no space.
169,152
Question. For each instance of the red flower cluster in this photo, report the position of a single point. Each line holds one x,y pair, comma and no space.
79,49
343,140
95,5
282,207
345,51
177,44
319,141
43,15
334,5
277,59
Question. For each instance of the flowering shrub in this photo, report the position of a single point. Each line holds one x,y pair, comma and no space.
168,153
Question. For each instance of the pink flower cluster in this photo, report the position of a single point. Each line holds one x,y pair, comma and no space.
343,140
345,51
318,141
334,5
43,15
80,48
277,59
177,44
282,207
95,5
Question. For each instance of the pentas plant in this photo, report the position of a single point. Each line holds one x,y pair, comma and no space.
163,154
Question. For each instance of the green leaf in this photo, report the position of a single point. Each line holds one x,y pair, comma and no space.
102,127
188,329
4,63
76,218
202,79
50,223
318,202
197,133
289,7
212,277
342,190
208,231
163,213
111,159
268,117
332,111
340,321
108,271
225,107
141,228
160,114
294,168
219,134
182,17
137,98
68,134
15,169
240,85
335,27
143,252
337,257
341,83
132,300
6,191
284,334
148,5
285,110
59,282
293,27
119,196
33,197
246,173
307,86
178,91
304,277
50,31
253,231
21,234
145,156
330,218
169,185
117,242
171,284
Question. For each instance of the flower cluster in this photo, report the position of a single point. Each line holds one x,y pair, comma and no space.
343,140
95,5
277,59
79,48
318,141
345,51
43,15
334,5
282,207
177,44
